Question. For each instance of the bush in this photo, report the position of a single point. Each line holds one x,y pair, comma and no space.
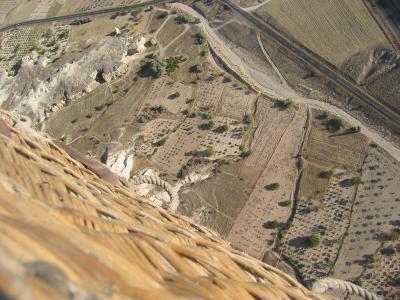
245,154
356,180
210,124
224,128
74,120
273,186
162,15
248,119
335,124
394,235
199,38
210,151
355,129
81,21
271,224
155,67
177,94
285,103
285,203
172,63
196,69
313,241
326,174
161,142
182,19
358,282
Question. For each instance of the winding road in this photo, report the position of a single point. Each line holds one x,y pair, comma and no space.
316,63
239,67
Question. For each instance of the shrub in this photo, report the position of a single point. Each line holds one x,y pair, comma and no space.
196,69
177,94
210,124
224,128
109,103
81,21
182,19
161,142
285,103
335,124
271,224
313,241
172,63
74,120
273,186
245,154
358,282
162,15
210,151
355,129
248,119
199,38
394,235
326,174
285,203
356,180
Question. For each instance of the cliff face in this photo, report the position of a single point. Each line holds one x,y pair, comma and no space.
71,229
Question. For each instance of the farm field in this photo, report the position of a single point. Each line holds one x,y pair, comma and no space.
344,25
150,94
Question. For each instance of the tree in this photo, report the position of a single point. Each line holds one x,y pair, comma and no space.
273,186
104,156
271,224
335,124
155,67
182,19
356,180
313,241
285,103
248,119
224,128
210,124
245,154
196,69
161,142
210,151
177,94
355,129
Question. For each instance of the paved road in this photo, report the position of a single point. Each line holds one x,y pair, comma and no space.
81,14
317,64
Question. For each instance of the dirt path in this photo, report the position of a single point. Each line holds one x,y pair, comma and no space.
234,62
283,80
254,7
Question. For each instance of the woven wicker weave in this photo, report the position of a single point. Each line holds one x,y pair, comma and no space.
71,229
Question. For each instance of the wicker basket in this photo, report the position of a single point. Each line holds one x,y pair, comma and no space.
71,229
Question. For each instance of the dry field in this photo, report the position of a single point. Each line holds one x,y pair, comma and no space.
270,127
172,156
250,232
335,30
162,92
209,94
376,214
334,150
327,220
151,133
5,7
169,31
236,101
